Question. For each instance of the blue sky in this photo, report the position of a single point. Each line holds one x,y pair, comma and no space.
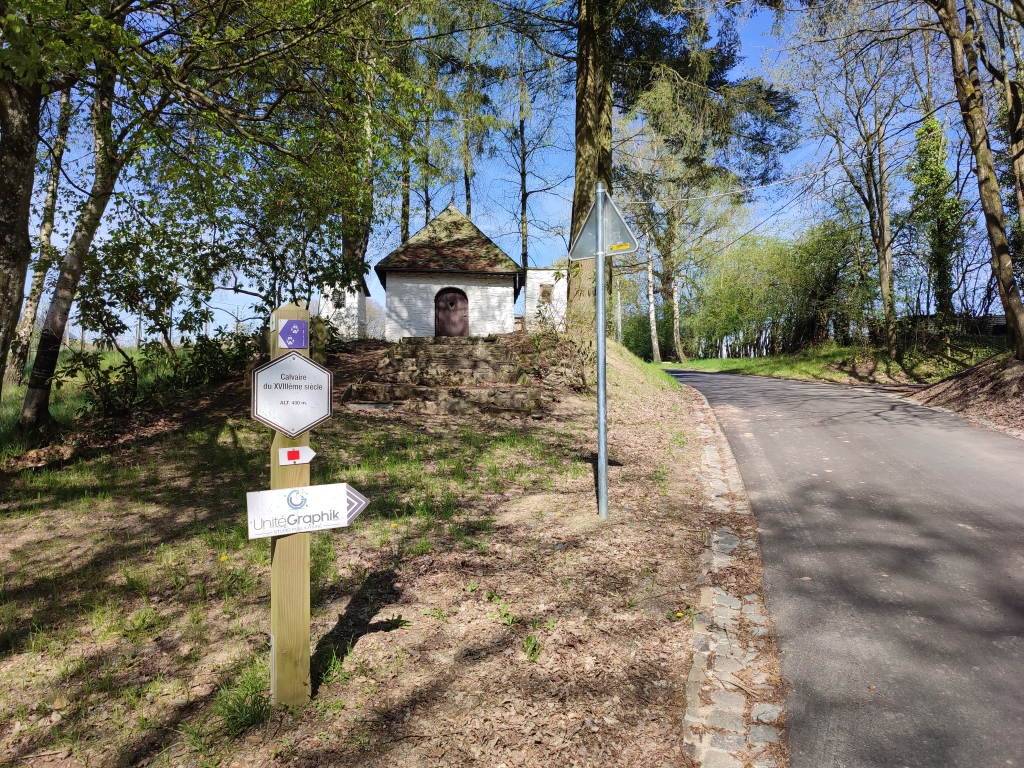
496,193
556,207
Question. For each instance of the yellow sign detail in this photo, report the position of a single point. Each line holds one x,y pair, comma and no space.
620,246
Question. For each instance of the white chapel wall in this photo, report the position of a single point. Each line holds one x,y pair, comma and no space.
410,302
537,312
346,310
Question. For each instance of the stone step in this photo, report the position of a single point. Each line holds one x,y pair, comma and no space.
451,341
439,400
449,362
459,377
447,353
470,368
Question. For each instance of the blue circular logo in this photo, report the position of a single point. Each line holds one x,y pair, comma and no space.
296,499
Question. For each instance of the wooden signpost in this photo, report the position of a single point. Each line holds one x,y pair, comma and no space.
291,394
289,559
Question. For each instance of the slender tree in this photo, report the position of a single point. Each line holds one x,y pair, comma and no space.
151,89
961,33
47,253
859,91
939,212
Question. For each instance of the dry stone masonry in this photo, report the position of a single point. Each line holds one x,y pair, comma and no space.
448,375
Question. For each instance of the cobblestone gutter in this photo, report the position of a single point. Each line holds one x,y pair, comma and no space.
734,715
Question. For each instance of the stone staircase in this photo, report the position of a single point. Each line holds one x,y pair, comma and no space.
448,375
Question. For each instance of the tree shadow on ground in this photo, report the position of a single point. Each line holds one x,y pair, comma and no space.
376,592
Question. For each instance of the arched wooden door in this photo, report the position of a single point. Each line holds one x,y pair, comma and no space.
451,313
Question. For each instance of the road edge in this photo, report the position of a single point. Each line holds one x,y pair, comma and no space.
734,715
899,391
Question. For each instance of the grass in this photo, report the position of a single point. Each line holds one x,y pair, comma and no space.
531,647
852,364
812,365
245,703
128,582
66,403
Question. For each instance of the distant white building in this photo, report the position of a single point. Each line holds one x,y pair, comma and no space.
345,308
546,299
449,279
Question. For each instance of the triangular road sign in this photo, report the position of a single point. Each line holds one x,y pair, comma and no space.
618,237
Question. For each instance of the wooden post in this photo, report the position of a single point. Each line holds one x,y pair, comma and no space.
289,562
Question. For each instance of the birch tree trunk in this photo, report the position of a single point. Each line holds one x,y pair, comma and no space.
969,94
618,309
20,109
23,338
108,162
652,315
676,335
427,135
406,190
467,170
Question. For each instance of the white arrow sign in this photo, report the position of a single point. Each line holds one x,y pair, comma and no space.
299,510
618,237
300,454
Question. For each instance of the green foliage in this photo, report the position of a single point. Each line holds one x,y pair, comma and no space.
245,703
110,390
938,212
157,374
531,646
323,563
769,296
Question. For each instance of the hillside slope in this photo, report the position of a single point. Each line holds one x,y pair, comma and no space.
992,391
479,612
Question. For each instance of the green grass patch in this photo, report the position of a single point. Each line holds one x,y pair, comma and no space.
245,703
853,364
816,364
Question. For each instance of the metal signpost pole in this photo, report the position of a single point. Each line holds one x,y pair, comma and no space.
289,556
602,409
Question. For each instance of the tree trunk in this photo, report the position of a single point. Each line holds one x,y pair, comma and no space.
427,213
524,192
467,170
23,339
969,94
676,335
20,109
618,309
108,162
357,216
652,314
593,149
885,249
406,190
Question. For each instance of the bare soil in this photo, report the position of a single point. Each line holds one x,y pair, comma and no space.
992,392
479,613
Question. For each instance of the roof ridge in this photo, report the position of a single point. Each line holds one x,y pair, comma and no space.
449,242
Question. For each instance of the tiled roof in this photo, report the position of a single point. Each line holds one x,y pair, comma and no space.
449,243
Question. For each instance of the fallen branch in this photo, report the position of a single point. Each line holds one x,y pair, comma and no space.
751,691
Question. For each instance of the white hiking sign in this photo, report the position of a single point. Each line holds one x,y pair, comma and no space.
291,394
308,508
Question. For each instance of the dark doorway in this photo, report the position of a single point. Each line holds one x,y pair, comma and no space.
451,313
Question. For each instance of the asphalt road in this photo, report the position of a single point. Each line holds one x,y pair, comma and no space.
892,539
